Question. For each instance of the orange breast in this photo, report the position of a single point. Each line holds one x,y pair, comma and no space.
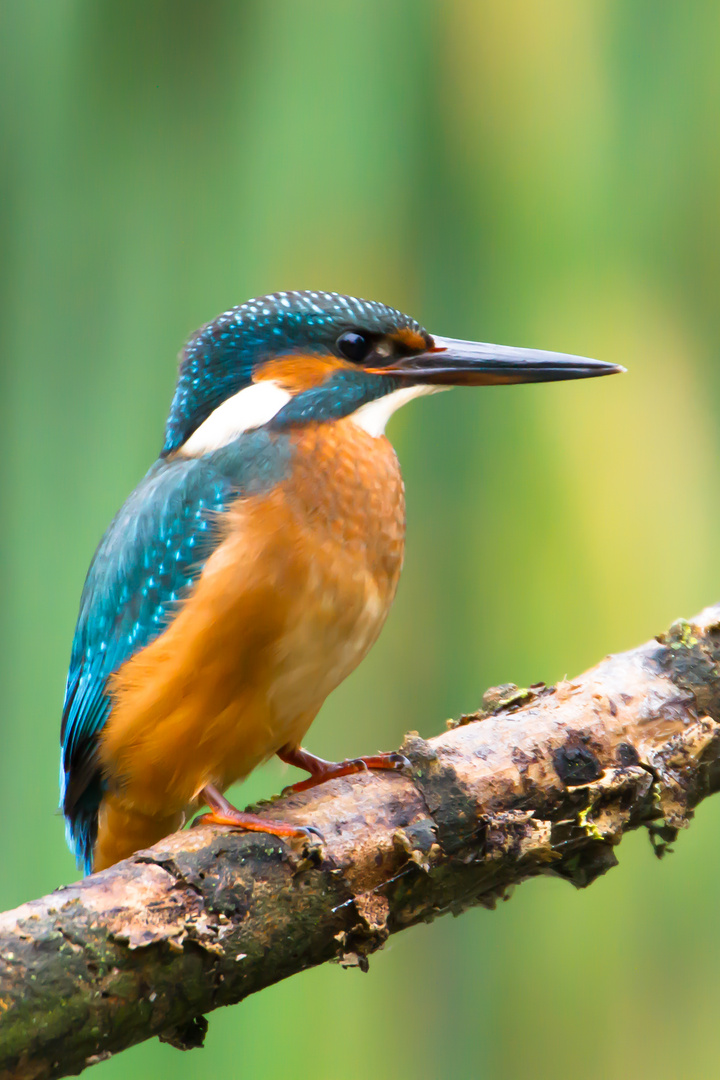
287,606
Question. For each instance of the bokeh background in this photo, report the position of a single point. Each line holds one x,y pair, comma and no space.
534,172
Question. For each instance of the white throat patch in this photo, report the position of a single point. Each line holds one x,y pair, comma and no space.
250,408
374,415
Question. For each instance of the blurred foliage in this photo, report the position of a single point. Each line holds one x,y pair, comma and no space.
536,172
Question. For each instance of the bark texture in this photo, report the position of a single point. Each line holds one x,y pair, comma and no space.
542,780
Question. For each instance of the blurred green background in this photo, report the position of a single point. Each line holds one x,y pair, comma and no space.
534,172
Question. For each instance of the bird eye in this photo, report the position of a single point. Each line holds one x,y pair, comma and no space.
354,346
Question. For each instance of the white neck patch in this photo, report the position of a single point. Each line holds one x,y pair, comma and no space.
374,415
250,408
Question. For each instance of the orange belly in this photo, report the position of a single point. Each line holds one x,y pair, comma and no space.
286,607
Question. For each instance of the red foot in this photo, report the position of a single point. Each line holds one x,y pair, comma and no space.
321,770
223,812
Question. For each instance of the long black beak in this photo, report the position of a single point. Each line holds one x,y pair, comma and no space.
473,363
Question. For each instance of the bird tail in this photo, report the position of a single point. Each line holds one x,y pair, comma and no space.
121,830
81,820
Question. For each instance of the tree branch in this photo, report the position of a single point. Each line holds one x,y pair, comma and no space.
540,781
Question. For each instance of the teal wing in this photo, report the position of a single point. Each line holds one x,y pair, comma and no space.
146,564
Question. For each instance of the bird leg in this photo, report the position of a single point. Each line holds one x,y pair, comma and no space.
223,812
321,770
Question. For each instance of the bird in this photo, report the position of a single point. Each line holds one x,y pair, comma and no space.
253,567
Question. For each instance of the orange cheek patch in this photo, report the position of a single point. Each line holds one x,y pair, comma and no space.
410,339
298,372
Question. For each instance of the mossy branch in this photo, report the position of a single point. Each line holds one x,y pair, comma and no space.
540,781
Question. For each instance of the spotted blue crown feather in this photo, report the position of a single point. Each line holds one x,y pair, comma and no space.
219,359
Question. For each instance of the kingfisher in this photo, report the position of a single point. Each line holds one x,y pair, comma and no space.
253,567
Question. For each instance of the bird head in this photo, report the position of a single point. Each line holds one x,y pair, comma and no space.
295,358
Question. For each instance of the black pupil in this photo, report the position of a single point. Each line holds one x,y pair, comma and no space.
354,346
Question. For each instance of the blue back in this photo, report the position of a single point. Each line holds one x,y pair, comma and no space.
146,564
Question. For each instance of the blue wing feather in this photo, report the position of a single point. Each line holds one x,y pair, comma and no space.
146,563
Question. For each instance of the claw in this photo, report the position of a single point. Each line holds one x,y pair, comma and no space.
329,770
223,812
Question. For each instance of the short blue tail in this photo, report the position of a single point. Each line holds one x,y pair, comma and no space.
81,824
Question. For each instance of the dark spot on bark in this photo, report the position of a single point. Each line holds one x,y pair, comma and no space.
626,755
585,866
189,1035
522,760
452,809
627,798
661,836
420,836
494,838
576,765
378,859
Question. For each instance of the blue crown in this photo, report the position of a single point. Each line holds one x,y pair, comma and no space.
220,358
